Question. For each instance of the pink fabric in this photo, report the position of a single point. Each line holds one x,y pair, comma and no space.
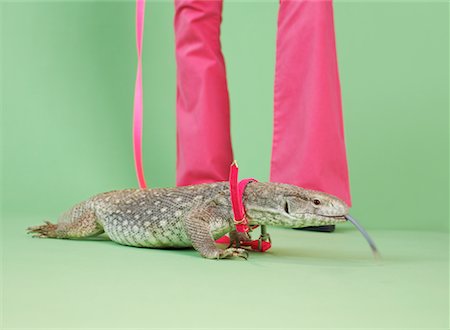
138,99
308,143
308,147
204,151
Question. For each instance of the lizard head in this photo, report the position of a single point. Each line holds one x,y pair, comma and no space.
290,206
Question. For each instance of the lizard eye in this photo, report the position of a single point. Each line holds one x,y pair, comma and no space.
286,207
316,202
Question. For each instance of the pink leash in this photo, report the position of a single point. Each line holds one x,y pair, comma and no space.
138,97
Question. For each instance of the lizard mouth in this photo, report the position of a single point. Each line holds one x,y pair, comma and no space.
334,218
303,219
313,219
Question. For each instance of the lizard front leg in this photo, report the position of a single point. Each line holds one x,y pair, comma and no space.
237,237
198,227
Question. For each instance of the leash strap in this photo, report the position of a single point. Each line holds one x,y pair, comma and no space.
236,194
138,96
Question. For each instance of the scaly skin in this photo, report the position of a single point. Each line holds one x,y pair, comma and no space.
192,215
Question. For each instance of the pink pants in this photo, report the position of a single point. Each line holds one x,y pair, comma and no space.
308,141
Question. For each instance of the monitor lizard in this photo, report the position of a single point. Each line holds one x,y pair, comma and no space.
193,215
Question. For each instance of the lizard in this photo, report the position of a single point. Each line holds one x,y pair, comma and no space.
192,216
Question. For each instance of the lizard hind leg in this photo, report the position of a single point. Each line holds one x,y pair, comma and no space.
79,222
48,229
81,228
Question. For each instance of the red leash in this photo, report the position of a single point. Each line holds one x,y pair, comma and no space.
240,220
236,195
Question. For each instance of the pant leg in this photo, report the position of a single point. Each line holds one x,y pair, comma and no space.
308,143
204,151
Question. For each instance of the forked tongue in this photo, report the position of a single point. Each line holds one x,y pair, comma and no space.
369,240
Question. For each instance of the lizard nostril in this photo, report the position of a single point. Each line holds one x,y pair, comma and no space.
286,207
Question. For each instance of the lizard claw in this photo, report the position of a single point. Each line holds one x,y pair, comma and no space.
43,231
39,236
234,252
243,255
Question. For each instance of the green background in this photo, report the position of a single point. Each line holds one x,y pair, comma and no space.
68,73
67,79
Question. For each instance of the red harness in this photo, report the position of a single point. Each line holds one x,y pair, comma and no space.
240,220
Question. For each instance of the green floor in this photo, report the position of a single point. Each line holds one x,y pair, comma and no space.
307,280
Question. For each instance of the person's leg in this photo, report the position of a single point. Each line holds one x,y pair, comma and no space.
204,151
308,142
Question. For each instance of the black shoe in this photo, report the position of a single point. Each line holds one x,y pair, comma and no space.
323,229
